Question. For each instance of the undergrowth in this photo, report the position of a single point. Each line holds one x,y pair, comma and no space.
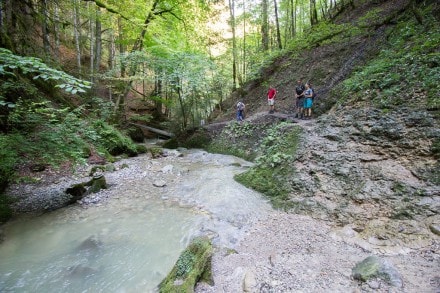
406,72
41,134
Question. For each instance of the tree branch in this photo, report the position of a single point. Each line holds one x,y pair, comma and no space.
108,8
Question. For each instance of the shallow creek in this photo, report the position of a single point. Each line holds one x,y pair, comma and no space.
131,240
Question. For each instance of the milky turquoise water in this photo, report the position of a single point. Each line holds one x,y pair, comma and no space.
130,242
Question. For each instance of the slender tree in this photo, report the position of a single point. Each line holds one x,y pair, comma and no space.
265,25
77,31
313,13
234,43
280,46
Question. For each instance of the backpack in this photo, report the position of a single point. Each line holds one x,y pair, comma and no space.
240,106
313,94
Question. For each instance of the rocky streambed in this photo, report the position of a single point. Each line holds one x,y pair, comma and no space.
347,187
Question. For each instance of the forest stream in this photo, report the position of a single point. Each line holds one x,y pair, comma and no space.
127,238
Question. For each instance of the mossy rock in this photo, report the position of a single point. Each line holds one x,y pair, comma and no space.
194,264
375,267
171,143
199,139
96,184
136,134
156,152
141,149
78,191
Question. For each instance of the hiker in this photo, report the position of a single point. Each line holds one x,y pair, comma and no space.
308,102
240,110
299,95
271,93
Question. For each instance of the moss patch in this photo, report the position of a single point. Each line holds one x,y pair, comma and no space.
194,264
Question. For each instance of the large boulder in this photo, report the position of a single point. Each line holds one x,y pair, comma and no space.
376,267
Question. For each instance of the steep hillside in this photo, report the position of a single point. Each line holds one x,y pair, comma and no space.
325,56
368,161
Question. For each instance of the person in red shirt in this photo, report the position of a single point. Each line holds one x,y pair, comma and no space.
271,93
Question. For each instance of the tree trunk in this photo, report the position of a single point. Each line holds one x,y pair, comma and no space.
244,42
182,105
92,47
111,58
264,26
57,32
98,39
44,27
121,45
76,27
158,92
280,46
234,45
313,13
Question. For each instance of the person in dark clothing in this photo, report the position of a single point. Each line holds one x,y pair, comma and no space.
299,98
240,111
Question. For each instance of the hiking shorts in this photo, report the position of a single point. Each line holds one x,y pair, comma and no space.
308,103
270,102
301,102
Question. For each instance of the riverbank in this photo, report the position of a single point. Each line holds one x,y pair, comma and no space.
274,251
294,253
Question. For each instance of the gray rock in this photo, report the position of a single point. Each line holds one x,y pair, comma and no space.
159,183
435,229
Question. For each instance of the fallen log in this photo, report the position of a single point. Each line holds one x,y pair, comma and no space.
155,130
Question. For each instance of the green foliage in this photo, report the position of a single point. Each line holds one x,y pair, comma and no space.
113,140
45,135
141,118
10,62
407,71
274,164
9,157
276,146
371,17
